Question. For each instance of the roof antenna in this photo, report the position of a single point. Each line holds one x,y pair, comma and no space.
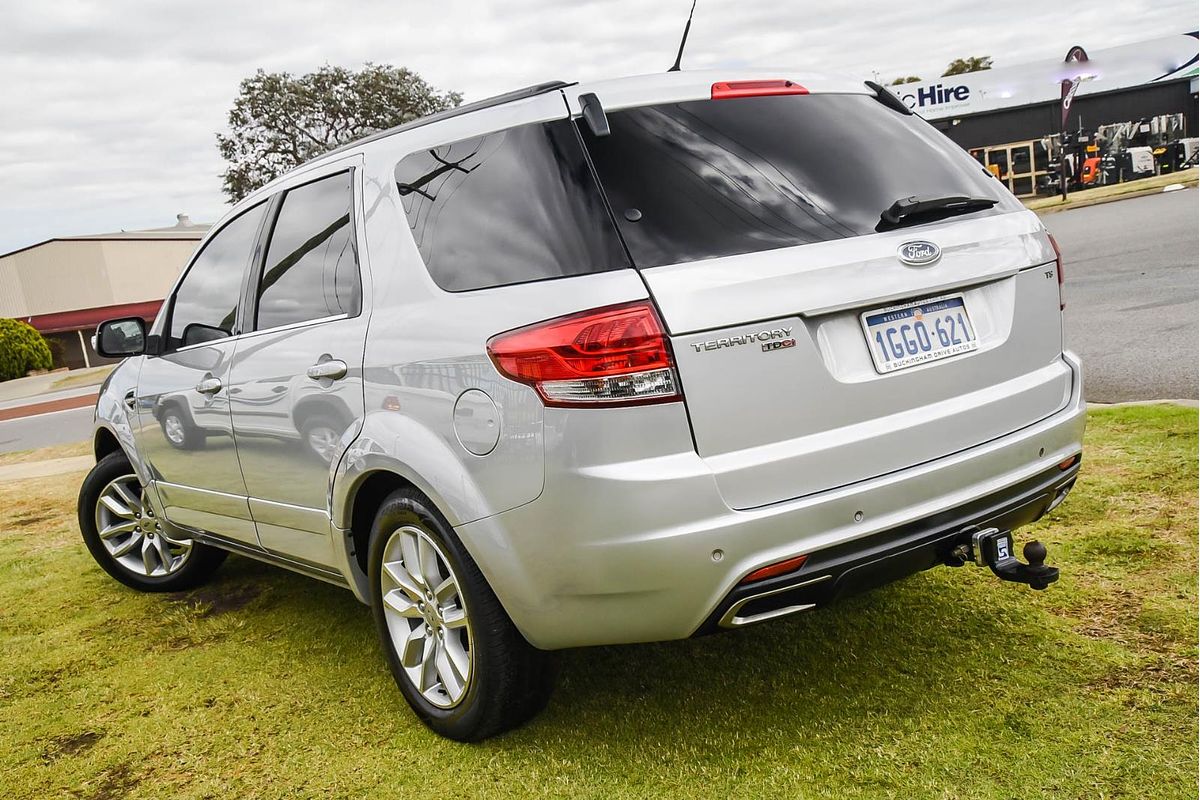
683,41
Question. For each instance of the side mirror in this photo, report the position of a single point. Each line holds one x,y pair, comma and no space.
199,333
120,338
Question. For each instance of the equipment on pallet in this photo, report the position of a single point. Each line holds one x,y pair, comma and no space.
1117,152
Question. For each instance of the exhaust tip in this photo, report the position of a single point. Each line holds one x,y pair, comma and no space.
771,604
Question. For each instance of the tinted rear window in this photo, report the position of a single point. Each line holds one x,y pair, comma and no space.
721,177
510,207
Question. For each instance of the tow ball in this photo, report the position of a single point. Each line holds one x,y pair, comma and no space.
993,548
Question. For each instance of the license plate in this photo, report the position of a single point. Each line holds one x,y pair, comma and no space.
917,333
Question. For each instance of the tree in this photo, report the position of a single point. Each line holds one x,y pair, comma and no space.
279,121
961,66
908,79
22,349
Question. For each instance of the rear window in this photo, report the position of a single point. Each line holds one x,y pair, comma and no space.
709,178
513,206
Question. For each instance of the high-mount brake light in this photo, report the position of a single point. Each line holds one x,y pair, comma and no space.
726,90
613,356
1058,268
776,569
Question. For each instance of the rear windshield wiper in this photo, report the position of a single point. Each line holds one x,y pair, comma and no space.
913,210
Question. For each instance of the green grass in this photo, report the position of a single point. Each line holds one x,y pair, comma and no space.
1083,197
93,376
947,685
42,454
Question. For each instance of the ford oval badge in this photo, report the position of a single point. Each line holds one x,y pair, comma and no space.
919,253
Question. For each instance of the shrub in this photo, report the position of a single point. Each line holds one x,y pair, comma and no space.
22,349
58,353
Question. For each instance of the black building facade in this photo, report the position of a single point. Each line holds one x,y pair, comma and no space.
1088,112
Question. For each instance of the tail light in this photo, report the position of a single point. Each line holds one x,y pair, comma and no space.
1058,267
726,90
614,356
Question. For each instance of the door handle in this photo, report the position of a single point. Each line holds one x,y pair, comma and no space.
209,386
333,369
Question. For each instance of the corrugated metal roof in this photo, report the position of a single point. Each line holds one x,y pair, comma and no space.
191,232
184,230
66,276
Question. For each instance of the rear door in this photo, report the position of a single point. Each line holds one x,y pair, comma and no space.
806,327
296,378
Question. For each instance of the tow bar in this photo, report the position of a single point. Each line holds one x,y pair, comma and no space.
993,548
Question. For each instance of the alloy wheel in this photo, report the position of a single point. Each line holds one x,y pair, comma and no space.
132,535
426,617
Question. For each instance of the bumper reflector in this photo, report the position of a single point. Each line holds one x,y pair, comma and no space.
1070,462
773,570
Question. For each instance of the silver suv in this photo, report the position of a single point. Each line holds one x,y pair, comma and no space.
588,364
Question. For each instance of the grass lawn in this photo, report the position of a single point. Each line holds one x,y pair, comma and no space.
948,685
1085,197
93,376
44,453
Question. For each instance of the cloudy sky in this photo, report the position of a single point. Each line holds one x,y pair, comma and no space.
109,109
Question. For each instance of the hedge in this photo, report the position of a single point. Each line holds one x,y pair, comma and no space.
22,349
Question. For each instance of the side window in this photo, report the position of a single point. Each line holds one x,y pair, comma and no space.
206,302
512,206
311,270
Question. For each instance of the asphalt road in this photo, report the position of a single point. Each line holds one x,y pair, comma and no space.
1132,272
44,430
1132,310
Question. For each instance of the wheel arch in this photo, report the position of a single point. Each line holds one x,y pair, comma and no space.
358,498
363,502
420,456
113,428
104,442
357,494
397,451
372,490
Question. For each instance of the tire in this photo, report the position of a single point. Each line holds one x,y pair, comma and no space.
131,547
507,680
179,431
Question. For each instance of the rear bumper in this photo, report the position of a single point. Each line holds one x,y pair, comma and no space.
630,540
862,564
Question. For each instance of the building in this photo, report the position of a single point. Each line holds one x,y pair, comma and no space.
64,287
1006,116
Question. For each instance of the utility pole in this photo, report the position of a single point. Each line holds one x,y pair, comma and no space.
1062,164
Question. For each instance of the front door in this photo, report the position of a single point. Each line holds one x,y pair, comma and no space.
296,378
183,423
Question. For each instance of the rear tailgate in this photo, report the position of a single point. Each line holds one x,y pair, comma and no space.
768,221
776,422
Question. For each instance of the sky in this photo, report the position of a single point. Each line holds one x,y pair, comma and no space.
109,111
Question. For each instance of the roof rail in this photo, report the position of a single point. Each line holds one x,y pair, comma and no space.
488,102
